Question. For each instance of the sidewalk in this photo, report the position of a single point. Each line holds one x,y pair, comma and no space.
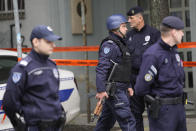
80,123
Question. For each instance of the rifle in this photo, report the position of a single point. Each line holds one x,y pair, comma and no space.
109,90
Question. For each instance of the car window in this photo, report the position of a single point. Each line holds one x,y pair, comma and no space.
6,64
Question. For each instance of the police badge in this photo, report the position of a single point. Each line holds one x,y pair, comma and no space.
55,73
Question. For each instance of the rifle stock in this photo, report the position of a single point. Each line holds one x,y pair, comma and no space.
109,84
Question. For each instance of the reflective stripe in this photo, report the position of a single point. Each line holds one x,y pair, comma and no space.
42,68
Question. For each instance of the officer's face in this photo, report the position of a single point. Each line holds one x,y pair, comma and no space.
43,46
123,28
178,34
134,21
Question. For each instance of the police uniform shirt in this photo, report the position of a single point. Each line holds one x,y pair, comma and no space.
139,41
108,51
33,88
161,73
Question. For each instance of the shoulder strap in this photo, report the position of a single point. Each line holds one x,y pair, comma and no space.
25,61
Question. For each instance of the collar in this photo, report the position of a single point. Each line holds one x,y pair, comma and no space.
166,46
39,57
116,37
142,29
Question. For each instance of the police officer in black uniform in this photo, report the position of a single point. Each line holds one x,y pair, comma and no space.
138,40
162,77
114,69
31,100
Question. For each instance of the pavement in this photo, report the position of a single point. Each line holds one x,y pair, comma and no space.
80,123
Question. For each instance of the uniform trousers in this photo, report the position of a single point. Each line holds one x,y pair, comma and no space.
116,108
170,118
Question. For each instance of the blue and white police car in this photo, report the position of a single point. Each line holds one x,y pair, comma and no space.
68,91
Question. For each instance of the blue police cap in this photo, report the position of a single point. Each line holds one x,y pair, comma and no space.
134,10
173,22
45,32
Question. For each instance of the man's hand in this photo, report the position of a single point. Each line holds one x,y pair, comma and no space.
101,96
131,92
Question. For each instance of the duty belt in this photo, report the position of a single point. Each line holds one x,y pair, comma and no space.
171,101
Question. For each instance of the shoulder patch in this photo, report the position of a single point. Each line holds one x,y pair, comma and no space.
16,77
106,50
148,77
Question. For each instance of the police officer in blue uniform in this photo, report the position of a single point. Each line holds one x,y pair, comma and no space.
113,51
138,39
162,77
31,100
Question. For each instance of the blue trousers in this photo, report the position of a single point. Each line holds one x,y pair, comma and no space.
171,118
137,107
35,128
116,108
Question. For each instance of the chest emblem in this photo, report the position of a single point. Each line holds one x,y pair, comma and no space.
166,61
106,50
130,38
177,58
55,73
147,38
16,77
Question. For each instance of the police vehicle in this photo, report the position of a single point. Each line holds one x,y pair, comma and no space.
68,92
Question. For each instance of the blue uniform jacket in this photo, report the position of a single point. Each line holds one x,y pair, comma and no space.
108,51
138,42
32,89
161,73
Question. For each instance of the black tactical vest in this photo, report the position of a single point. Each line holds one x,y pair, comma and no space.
122,72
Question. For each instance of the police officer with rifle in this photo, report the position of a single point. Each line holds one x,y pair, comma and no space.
114,78
31,100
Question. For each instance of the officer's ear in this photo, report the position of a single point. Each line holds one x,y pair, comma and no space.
35,42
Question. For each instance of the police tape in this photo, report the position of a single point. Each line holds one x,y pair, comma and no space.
62,49
64,62
93,48
187,45
189,63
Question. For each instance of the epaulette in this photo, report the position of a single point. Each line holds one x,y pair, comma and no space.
25,61
110,41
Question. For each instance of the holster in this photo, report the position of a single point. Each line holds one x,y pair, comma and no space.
59,124
153,105
18,124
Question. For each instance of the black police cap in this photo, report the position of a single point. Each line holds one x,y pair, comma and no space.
173,22
134,10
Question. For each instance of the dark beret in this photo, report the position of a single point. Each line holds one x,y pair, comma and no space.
173,22
134,10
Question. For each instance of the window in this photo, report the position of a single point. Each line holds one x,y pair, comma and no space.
6,64
188,36
7,9
190,79
175,3
189,56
